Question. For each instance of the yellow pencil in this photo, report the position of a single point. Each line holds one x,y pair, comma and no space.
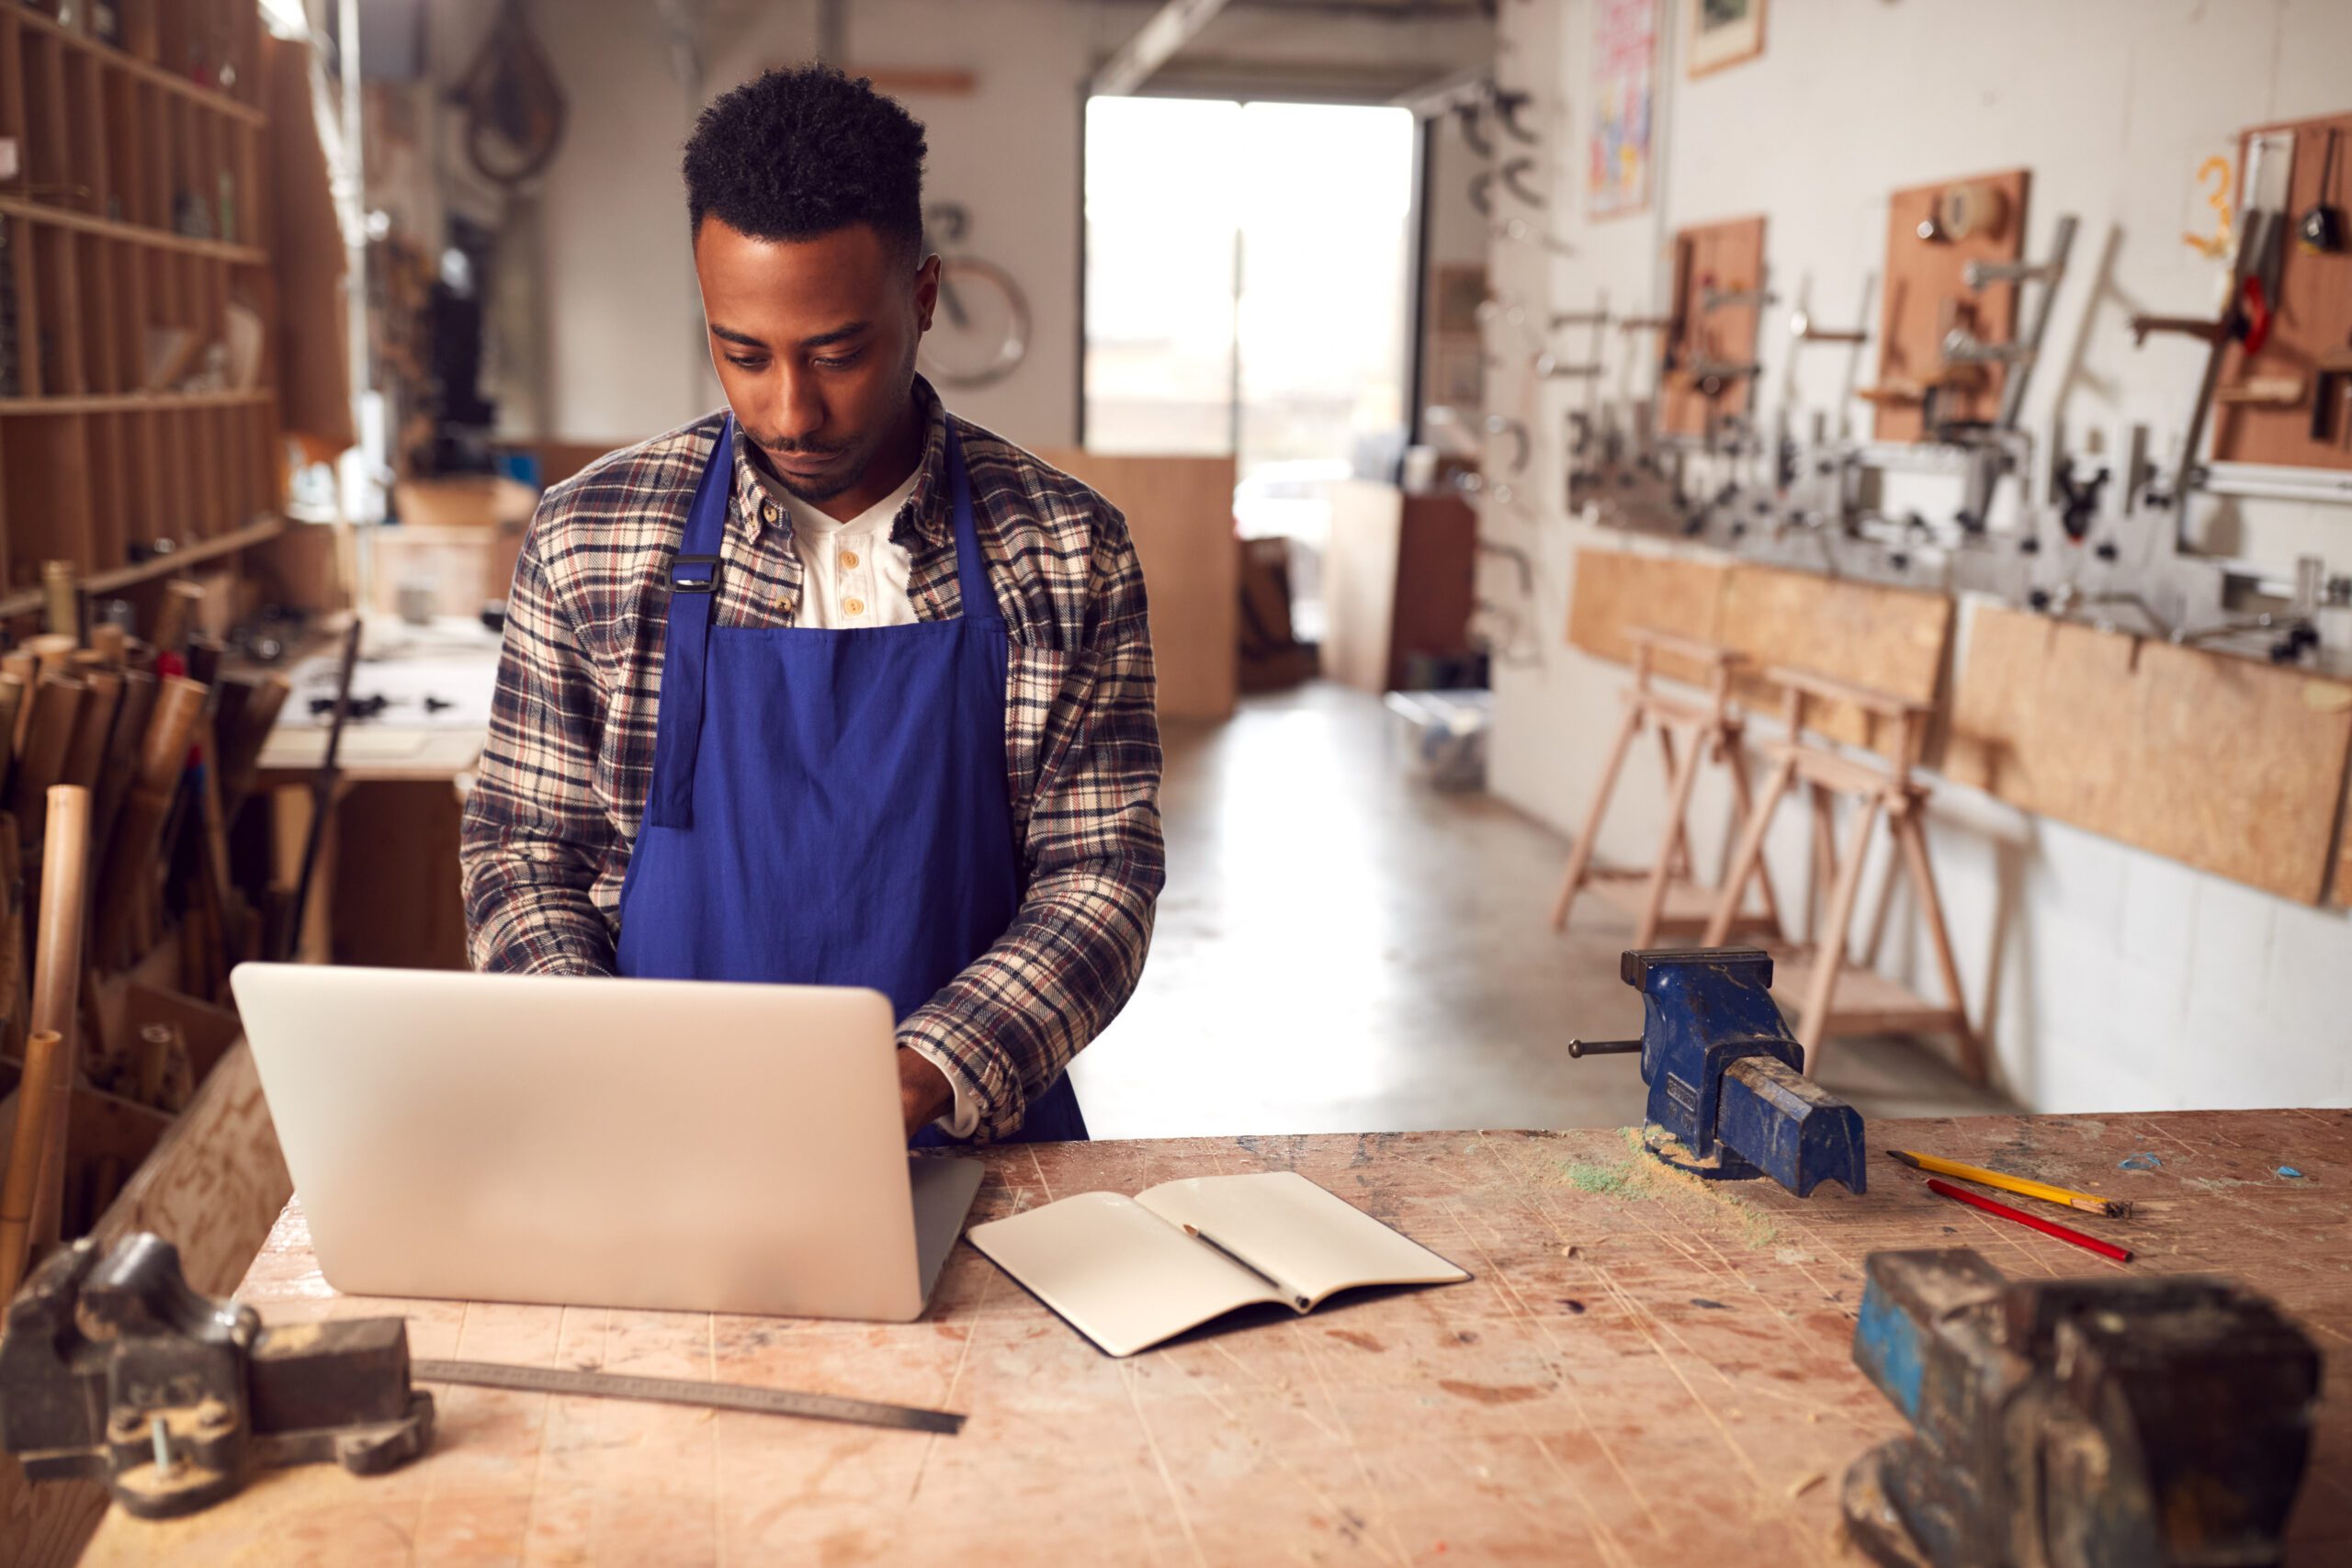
2019,1184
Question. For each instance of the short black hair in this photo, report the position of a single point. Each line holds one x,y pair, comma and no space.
803,152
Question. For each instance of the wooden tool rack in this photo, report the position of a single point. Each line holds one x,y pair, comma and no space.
138,417
1668,900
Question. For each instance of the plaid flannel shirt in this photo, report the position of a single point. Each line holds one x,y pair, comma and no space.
562,782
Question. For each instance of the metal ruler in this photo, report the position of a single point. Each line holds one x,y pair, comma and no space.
686,1390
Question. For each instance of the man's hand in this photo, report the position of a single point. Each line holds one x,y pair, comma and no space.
923,1092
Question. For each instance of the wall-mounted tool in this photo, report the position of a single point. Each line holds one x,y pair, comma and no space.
2021,355
2320,231
1514,173
2243,318
1728,1097
1552,367
1501,424
1960,211
116,1371
1510,109
2154,1420
1471,117
1712,299
1802,327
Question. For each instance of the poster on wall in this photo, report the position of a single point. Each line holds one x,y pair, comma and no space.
1722,32
1624,46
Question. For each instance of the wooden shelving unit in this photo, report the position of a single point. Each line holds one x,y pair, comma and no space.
136,310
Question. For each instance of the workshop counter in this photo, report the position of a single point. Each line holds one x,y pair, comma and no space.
1641,1369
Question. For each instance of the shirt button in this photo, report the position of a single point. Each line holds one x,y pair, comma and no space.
849,560
767,512
854,606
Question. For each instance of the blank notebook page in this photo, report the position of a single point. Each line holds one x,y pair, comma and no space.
1297,1232
1122,1278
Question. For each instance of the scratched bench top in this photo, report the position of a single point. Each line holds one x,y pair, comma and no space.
1641,1368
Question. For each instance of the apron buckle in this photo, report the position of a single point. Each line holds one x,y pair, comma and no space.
695,574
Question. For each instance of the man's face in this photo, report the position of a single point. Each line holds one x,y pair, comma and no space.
814,342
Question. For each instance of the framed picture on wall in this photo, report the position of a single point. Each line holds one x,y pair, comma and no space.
1722,32
1617,164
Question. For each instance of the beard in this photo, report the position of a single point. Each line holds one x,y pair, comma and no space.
813,489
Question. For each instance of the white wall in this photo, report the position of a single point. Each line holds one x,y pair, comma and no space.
627,351
2112,979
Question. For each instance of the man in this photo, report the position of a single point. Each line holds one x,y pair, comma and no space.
835,688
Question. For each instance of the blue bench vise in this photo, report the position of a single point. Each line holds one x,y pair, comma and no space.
1729,1099
2163,1421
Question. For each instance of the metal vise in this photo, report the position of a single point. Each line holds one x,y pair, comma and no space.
119,1371
2077,1423
1728,1096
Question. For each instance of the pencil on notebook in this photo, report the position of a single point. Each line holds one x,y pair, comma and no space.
2047,1227
2018,1184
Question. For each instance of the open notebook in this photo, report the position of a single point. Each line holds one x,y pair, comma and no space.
1129,1272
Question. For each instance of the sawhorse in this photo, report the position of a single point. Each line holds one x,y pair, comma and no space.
1668,899
1839,998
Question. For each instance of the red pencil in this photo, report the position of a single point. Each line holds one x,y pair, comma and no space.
2047,1227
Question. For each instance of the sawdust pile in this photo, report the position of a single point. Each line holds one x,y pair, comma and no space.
1640,1177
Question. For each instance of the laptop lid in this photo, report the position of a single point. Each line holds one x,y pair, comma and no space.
687,1146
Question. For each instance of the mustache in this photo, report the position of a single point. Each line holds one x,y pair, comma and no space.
796,449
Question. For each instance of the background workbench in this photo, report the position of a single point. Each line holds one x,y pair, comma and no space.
1640,1370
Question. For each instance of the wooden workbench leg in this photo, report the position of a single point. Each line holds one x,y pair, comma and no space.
1829,948
1750,856
1580,852
1911,835
1681,845
1677,836
1742,805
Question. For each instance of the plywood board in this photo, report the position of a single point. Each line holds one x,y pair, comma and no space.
2228,765
1925,297
2312,317
1889,638
1728,257
1640,1370
1180,512
1615,591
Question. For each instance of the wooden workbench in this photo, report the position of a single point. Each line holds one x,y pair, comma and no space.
1641,1371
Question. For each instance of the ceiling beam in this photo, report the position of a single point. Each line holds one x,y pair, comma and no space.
1171,28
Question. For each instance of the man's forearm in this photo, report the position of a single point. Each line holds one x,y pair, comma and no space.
1008,1026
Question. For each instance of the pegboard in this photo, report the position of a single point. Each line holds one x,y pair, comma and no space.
1925,297
2311,321
1727,257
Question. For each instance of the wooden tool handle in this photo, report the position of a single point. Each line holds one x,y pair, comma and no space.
25,1158
131,717
179,702
49,736
57,979
52,650
93,728
180,600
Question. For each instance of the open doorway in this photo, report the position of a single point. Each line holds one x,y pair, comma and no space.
1248,291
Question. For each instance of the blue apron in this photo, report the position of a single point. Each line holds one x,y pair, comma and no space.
829,807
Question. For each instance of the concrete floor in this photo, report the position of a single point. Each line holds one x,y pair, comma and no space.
1343,949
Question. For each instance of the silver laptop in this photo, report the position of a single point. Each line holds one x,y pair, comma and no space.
678,1144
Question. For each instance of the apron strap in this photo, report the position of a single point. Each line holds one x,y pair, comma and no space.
693,590
972,566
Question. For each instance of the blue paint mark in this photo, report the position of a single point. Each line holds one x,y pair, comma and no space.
2138,1162
2288,1170
1886,1343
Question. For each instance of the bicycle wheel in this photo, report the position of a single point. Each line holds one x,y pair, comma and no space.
980,333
